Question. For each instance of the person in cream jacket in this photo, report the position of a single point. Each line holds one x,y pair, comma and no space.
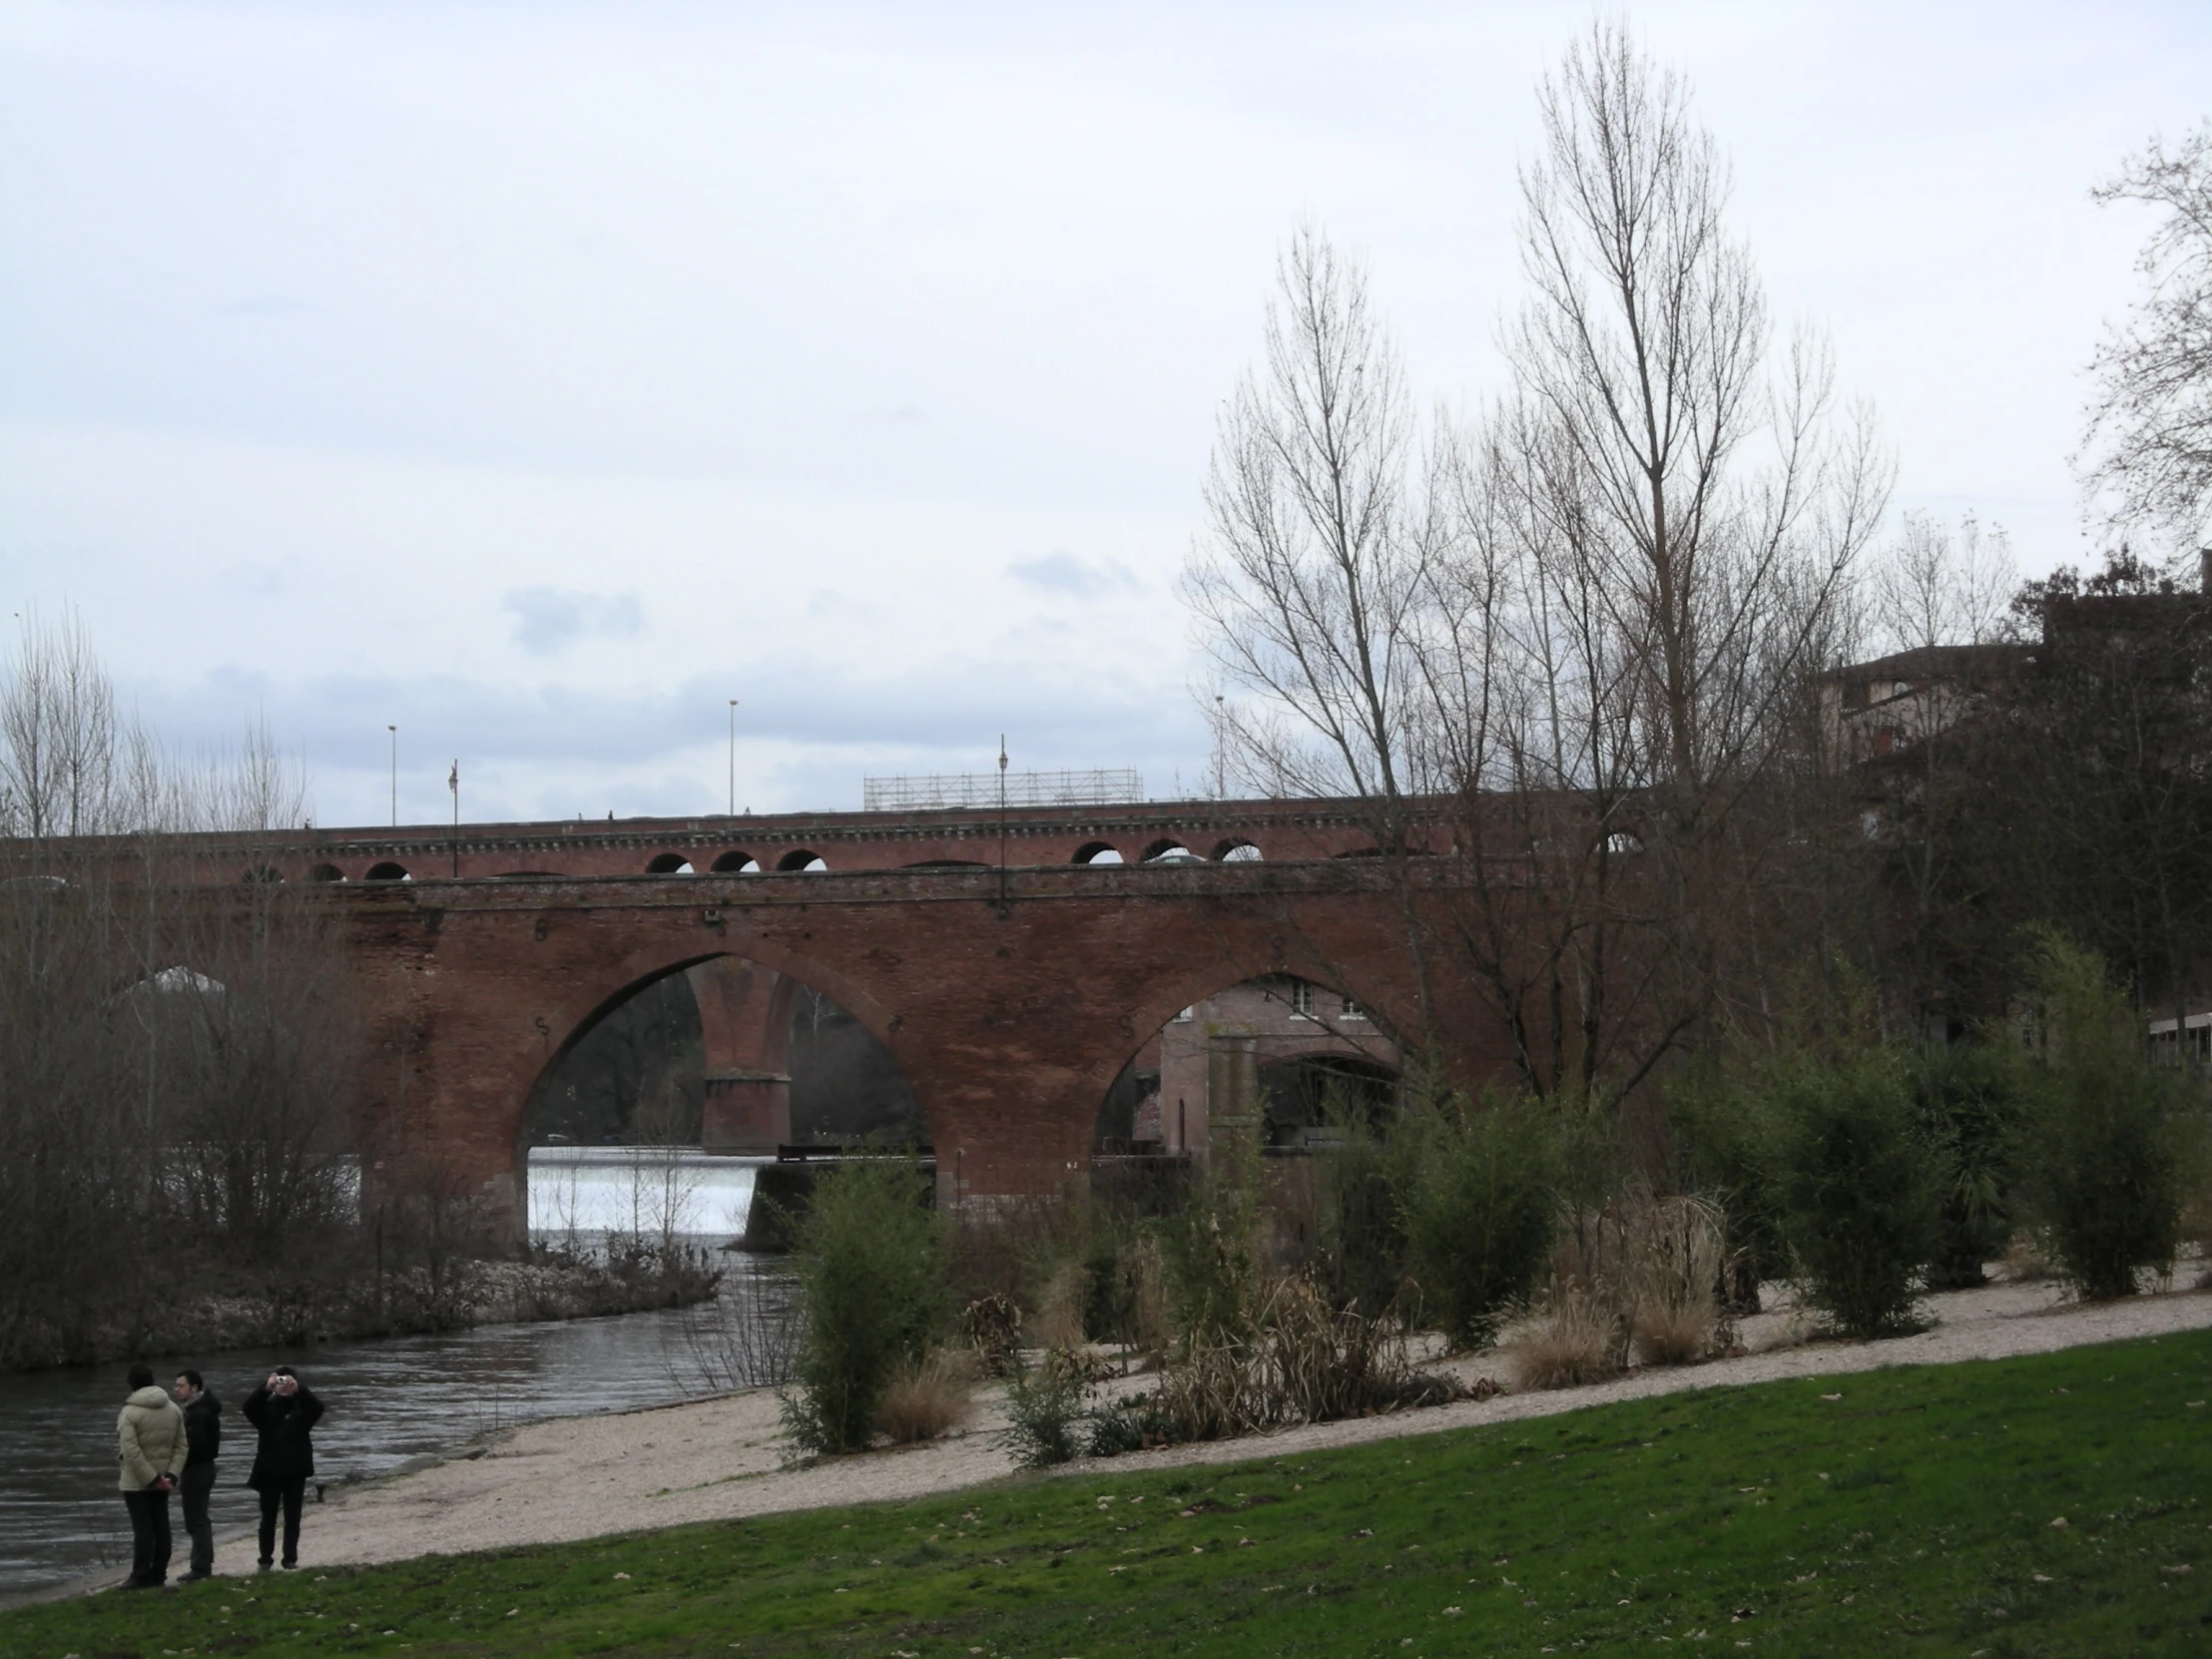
151,1446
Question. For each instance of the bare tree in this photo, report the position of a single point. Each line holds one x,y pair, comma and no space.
2150,430
1939,587
1310,579
1582,632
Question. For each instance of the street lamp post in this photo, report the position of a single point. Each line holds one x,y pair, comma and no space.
394,730
453,783
1221,750
1002,824
733,756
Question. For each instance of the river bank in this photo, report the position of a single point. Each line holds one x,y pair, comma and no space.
309,1309
726,1459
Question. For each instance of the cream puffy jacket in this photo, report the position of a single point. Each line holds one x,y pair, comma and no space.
151,1439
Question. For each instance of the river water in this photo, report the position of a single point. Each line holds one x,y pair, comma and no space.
389,1399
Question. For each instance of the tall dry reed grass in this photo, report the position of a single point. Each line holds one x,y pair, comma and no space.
927,1400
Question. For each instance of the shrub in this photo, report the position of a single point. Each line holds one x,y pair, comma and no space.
1727,1139
1209,1249
927,1400
1480,1208
1858,1188
1360,1259
870,1263
1968,1099
1677,1246
1569,1338
1043,1407
1058,1322
2110,1137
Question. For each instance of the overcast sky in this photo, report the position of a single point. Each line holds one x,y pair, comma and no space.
539,377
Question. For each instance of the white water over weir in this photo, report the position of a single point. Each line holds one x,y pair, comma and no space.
655,1190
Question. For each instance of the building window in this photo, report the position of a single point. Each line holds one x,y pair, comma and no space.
1353,1010
1302,999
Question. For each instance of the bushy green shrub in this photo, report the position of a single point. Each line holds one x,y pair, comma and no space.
1210,1247
870,1264
1858,1186
1359,1262
1044,1405
1968,1099
1727,1142
2110,1136
1480,1199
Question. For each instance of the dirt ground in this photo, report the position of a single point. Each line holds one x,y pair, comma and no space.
583,1477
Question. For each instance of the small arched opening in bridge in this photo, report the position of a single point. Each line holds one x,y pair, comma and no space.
1169,852
1235,851
388,871
325,872
1278,1059
647,1105
668,864
261,875
800,858
1097,852
737,862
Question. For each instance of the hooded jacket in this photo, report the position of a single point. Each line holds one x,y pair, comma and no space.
284,1457
202,1427
150,1436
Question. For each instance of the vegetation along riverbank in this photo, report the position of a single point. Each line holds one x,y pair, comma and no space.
2047,1504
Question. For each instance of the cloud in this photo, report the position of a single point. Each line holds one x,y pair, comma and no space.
547,618
1062,572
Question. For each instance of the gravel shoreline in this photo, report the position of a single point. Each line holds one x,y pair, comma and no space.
723,1458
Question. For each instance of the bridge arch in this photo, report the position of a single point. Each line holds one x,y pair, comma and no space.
737,862
802,858
388,871
325,872
668,864
1252,1052
1097,852
1236,850
744,998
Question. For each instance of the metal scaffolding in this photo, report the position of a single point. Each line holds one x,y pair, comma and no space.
922,791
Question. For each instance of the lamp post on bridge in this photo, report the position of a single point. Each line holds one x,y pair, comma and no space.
1002,824
394,730
453,783
733,756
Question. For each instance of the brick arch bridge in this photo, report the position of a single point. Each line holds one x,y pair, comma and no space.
1011,995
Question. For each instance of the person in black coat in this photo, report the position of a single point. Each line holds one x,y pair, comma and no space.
283,1413
203,1434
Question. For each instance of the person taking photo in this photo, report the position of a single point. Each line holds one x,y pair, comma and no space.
283,1413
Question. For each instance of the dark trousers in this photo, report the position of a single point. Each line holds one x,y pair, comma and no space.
198,1482
289,1495
149,1536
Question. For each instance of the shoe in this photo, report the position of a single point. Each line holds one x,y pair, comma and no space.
265,1564
193,1577
292,1566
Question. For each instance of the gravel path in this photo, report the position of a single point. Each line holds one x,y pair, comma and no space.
583,1477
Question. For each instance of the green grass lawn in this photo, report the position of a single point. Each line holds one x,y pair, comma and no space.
1910,1510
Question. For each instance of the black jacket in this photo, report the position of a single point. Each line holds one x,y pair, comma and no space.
286,1456
202,1427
